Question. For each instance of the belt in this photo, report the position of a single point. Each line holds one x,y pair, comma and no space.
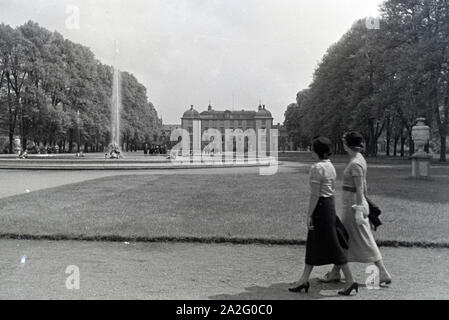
349,189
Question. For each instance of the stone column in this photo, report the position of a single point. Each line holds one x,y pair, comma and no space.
421,159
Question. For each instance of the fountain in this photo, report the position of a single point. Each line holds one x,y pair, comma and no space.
114,147
99,161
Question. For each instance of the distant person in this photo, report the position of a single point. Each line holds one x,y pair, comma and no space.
114,154
23,154
362,246
326,241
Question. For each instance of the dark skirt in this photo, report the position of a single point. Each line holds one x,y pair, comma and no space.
327,242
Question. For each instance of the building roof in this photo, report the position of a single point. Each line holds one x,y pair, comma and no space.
170,126
212,114
230,115
263,112
191,114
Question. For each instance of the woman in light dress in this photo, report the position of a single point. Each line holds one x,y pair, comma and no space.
362,245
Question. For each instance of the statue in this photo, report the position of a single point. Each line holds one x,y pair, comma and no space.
114,151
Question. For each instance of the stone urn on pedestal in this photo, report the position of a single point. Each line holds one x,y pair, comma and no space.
421,159
17,145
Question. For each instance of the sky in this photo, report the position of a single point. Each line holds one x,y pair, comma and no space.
234,53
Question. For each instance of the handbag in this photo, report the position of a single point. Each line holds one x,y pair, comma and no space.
374,213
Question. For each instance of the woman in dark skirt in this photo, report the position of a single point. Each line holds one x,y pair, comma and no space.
326,238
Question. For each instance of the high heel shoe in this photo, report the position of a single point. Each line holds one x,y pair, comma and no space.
304,286
385,281
347,291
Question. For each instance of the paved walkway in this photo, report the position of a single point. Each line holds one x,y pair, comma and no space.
199,271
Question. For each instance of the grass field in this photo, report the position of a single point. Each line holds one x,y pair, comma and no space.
241,206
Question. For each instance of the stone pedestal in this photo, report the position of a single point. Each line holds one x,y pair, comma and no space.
421,165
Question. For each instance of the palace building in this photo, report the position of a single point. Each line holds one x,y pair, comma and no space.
222,120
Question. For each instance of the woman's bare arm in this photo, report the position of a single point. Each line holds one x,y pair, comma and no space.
359,185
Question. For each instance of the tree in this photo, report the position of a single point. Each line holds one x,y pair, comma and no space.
379,81
53,90
420,30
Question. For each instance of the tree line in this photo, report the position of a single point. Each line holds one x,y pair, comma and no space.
379,80
54,92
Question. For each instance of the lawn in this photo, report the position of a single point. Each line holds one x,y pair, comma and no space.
343,158
238,206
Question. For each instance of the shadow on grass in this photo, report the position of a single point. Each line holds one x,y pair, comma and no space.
397,183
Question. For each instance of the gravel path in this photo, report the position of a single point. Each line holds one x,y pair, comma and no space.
199,271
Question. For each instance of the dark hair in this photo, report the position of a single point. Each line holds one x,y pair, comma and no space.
322,147
354,140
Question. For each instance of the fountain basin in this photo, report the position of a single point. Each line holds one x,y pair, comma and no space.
98,162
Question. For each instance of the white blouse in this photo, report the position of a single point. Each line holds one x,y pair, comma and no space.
324,174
